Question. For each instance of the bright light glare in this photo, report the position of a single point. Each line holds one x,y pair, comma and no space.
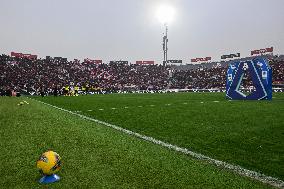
165,14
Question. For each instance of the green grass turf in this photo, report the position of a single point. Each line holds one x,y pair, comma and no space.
94,156
246,133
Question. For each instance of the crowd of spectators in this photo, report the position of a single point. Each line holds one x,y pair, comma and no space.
44,75
35,76
277,71
201,78
215,77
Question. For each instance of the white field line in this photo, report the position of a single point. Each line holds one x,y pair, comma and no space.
151,105
234,168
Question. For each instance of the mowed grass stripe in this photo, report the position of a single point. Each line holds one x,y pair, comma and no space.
245,133
95,156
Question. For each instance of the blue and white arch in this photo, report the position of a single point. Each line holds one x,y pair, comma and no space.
261,75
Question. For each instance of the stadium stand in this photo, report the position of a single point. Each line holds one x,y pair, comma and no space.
37,76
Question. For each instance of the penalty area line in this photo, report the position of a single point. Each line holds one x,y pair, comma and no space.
234,168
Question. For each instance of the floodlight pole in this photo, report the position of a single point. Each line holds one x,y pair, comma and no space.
165,45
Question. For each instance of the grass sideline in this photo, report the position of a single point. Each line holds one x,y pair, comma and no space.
245,133
93,155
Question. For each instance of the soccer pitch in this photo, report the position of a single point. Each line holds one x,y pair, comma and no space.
245,133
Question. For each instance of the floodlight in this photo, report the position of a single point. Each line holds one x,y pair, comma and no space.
165,14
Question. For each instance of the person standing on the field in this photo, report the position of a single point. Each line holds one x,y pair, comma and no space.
71,90
87,88
55,91
76,90
42,92
83,89
66,90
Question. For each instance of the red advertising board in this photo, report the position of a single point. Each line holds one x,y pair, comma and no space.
98,61
16,54
21,55
145,62
93,61
262,51
201,59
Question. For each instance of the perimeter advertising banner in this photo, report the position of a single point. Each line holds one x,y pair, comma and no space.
206,59
262,51
90,61
175,61
61,59
119,62
145,62
236,55
21,55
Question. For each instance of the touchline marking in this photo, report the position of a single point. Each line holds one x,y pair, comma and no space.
235,168
101,109
113,108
